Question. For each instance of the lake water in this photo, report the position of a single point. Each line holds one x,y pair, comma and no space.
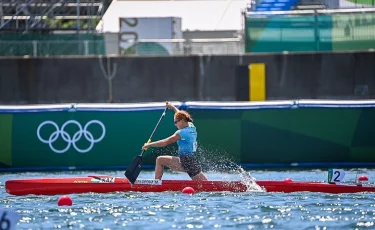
175,210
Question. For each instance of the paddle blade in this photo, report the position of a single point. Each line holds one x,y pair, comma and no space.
134,169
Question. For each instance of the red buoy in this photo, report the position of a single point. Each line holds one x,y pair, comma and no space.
363,178
288,180
188,190
65,201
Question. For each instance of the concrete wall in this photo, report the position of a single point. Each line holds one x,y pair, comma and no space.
145,79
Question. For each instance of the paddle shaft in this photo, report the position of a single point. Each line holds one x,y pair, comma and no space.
134,169
157,125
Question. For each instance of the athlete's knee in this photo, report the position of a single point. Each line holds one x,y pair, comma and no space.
160,160
199,176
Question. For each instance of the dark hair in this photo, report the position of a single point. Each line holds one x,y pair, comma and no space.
183,115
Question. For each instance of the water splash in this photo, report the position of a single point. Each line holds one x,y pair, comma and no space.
218,160
250,181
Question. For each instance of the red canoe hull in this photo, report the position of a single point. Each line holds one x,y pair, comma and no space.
287,187
105,184
60,186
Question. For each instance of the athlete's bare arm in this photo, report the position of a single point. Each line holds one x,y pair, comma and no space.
170,106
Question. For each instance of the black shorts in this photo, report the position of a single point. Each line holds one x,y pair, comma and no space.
190,165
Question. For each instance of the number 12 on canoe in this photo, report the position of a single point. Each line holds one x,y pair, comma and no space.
8,219
335,175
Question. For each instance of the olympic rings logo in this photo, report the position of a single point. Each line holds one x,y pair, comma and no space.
67,138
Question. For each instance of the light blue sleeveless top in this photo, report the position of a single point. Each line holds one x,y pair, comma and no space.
187,145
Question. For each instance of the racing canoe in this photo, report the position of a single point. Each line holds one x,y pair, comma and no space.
107,184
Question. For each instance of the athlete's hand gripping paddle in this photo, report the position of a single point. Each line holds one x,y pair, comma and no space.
134,169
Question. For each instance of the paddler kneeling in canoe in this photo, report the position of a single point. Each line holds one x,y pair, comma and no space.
186,138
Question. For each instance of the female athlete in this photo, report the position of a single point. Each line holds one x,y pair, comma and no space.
186,138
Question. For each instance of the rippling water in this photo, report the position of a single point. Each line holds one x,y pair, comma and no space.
174,210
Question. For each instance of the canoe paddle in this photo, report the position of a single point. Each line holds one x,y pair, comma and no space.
134,169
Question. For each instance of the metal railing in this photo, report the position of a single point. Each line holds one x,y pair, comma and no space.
45,48
181,46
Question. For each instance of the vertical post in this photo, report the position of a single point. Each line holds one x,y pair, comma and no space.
1,13
246,38
201,77
109,75
79,48
78,14
86,43
316,30
27,25
35,48
257,82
